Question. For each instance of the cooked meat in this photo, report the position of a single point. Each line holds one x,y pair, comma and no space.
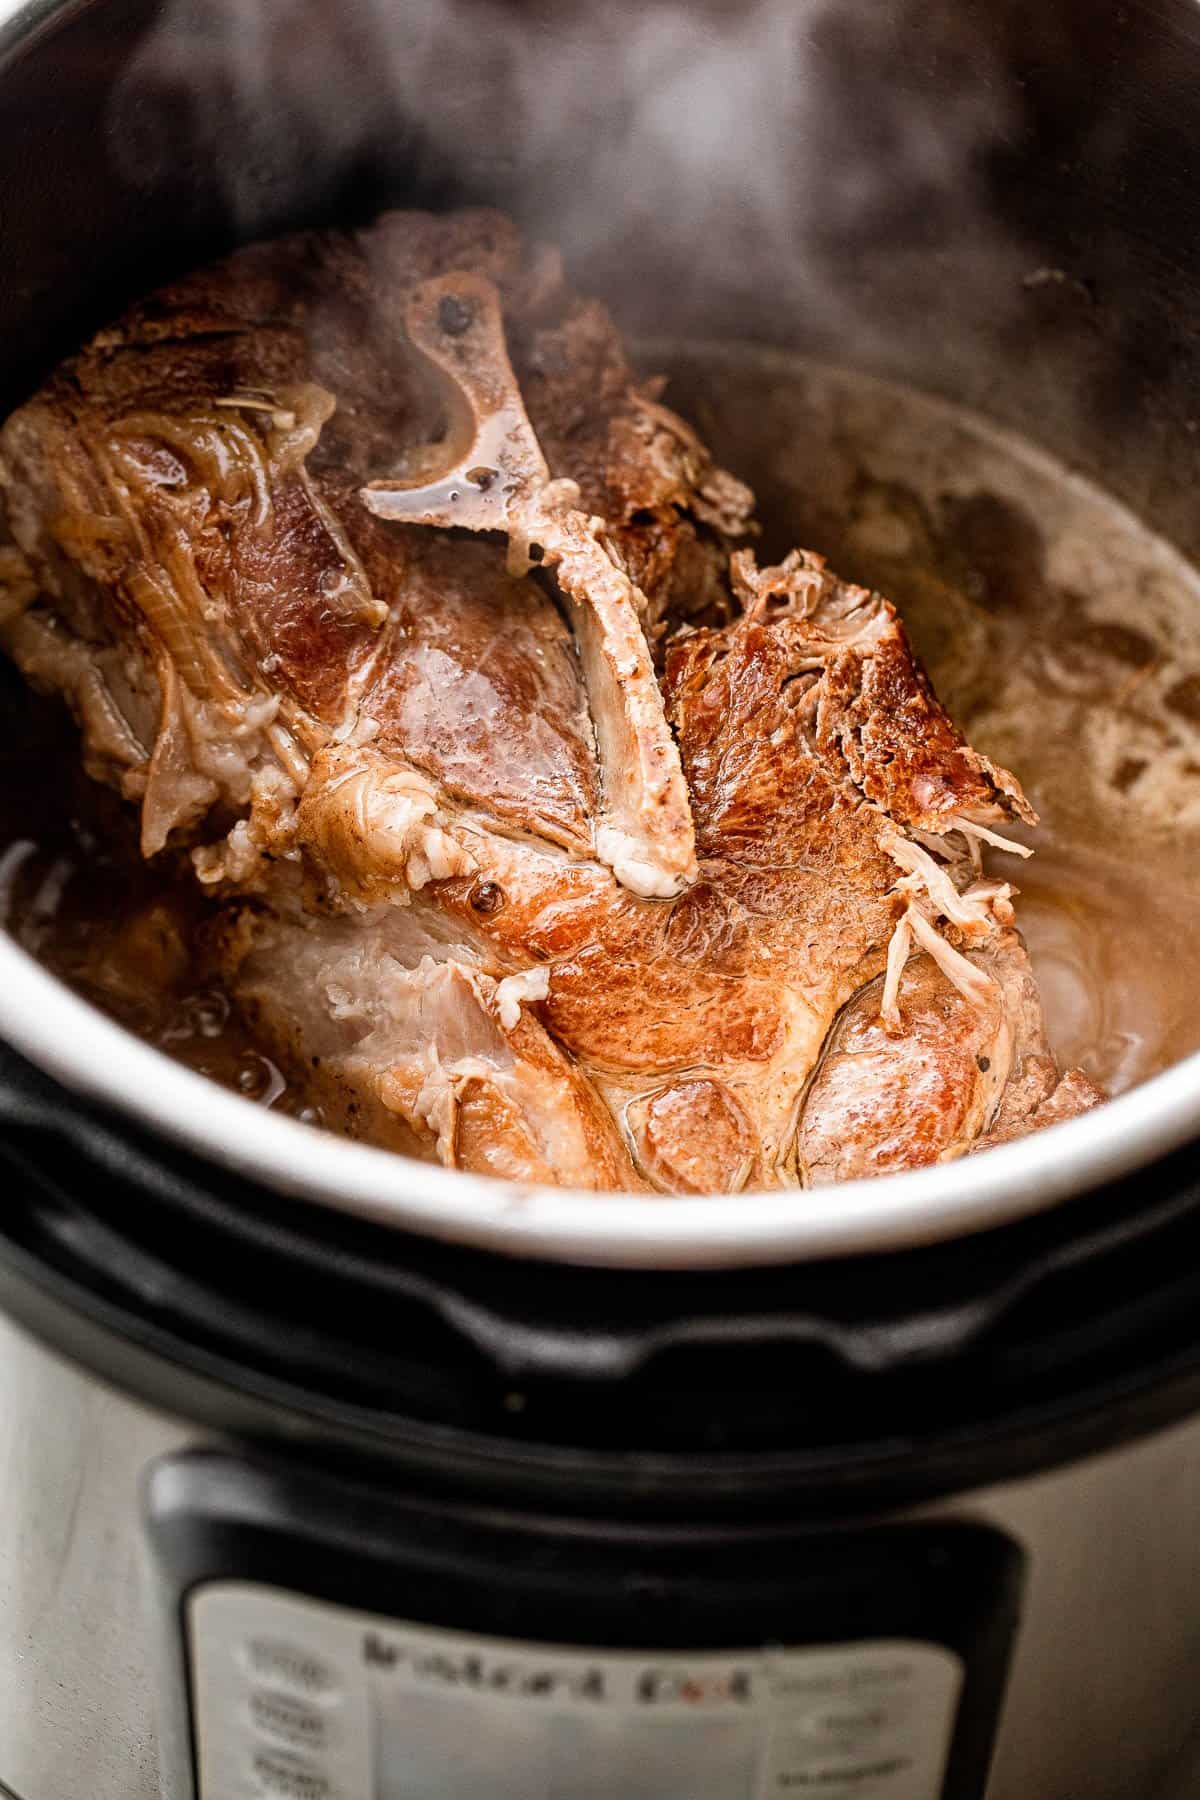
544,830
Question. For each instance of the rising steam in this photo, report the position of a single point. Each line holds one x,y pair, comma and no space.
705,163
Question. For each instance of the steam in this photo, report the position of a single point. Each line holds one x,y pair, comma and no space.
700,165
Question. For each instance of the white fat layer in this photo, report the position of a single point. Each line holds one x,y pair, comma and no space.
625,854
514,990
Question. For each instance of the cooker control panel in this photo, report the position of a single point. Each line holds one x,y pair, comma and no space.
304,1700
329,1637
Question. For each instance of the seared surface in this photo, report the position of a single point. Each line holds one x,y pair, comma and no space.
477,878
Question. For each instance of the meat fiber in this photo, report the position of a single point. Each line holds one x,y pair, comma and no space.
544,830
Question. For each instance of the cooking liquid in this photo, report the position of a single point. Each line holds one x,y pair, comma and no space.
127,935
1061,634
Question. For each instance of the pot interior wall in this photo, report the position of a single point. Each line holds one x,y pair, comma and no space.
992,199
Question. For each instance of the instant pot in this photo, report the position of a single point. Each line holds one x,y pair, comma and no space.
332,1476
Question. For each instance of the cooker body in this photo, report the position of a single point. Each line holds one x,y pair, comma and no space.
994,202
1094,1569
398,1513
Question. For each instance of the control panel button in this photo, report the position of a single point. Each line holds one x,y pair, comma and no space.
285,1778
285,1665
837,1726
289,1720
281,1697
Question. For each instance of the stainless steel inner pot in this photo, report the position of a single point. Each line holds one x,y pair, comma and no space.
993,202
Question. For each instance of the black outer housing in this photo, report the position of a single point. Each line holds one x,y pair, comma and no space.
820,1392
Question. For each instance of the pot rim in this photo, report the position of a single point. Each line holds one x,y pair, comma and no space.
96,1058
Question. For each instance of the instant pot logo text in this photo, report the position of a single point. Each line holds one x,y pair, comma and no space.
477,1670
479,1673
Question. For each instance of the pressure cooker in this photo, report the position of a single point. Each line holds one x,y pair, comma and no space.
333,1475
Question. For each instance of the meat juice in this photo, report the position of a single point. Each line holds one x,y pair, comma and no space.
1062,635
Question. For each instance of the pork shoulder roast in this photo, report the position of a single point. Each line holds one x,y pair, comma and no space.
545,831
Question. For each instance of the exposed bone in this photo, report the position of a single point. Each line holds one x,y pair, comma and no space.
495,478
